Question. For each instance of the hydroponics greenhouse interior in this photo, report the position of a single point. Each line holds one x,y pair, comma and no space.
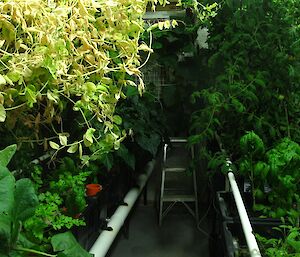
149,128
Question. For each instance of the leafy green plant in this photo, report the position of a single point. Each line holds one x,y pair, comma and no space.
247,107
50,216
203,10
72,189
249,87
61,196
142,116
18,204
287,246
277,169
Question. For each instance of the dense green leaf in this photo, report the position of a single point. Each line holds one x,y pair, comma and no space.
7,185
24,242
251,143
15,253
258,207
127,156
16,227
108,161
88,136
67,244
6,154
132,91
149,143
293,239
117,119
25,200
5,233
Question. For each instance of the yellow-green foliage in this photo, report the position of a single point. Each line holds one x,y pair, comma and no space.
68,53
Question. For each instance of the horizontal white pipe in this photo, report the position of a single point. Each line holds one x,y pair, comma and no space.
178,140
106,238
43,157
250,238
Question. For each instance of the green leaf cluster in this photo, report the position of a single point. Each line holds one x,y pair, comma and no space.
62,199
64,66
18,203
142,116
277,169
248,86
288,246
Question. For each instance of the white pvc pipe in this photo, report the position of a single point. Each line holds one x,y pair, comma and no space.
106,238
250,238
42,158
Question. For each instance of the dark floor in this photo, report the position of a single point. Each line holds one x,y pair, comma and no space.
177,237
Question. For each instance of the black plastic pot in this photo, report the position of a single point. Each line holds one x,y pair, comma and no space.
234,242
94,216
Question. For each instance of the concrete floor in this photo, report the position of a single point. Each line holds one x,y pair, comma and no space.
177,237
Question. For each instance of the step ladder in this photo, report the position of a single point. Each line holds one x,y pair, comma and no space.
178,182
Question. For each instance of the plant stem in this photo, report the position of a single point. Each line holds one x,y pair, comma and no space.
15,107
287,120
86,122
34,251
149,54
252,181
26,140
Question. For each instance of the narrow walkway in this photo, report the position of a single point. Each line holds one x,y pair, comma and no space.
177,237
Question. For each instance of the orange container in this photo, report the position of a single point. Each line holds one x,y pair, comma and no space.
93,189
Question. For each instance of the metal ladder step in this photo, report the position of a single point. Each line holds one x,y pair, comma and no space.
174,169
179,198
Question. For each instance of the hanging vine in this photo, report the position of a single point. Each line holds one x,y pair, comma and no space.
61,55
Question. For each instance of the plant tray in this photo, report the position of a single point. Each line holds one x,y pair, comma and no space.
234,242
228,210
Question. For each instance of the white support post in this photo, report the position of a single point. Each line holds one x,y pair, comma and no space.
250,238
106,238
